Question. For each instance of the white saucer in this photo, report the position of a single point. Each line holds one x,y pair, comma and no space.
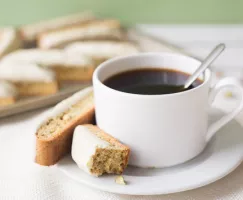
221,156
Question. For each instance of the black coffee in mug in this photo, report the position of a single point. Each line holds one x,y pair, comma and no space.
150,81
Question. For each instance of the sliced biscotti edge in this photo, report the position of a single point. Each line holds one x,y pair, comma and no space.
9,40
110,139
112,158
108,29
105,136
30,32
54,134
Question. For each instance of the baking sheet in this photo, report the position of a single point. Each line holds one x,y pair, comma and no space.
145,42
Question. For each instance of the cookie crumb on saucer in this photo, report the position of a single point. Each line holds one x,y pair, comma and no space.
228,94
120,180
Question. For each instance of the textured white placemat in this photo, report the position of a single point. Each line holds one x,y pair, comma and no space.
21,178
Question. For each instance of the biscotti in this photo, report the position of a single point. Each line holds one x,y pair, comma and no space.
102,50
97,30
54,135
67,66
97,153
30,32
8,93
29,79
9,40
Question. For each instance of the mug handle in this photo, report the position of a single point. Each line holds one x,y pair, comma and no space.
224,83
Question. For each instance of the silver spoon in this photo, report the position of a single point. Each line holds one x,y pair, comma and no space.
204,65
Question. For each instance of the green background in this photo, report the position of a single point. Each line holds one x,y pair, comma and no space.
129,11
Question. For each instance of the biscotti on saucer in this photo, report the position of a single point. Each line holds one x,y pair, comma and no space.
67,66
9,40
97,153
29,79
96,30
30,32
8,93
54,135
102,50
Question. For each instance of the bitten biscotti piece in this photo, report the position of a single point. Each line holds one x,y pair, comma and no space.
54,135
30,32
8,93
29,79
96,30
102,50
97,153
9,40
67,66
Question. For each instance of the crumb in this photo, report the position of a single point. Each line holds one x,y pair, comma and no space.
120,180
228,94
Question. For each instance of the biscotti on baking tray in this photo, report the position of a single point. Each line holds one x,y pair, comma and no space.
102,50
9,40
53,55
67,66
97,152
8,93
30,32
95,30
30,79
54,135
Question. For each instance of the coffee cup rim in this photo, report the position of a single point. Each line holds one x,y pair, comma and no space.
96,73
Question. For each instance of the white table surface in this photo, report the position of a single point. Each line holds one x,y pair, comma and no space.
198,40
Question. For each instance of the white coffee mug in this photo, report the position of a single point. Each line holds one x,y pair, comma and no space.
161,130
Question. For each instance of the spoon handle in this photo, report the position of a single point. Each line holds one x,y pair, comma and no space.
209,59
